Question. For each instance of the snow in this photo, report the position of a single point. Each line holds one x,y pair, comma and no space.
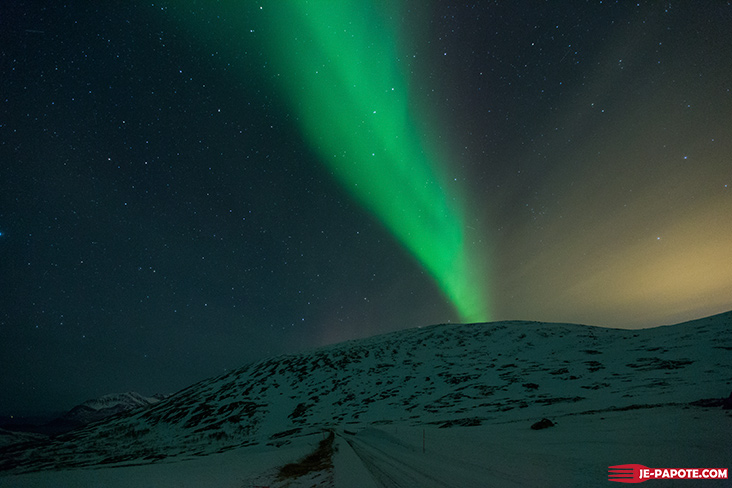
576,452
448,405
125,401
8,437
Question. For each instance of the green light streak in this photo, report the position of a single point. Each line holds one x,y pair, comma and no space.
338,63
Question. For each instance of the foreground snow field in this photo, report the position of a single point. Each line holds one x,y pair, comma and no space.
576,452
441,406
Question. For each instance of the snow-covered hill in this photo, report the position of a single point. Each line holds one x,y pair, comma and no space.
9,437
477,379
79,416
119,401
97,409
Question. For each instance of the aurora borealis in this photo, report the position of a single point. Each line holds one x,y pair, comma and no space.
353,103
351,97
189,186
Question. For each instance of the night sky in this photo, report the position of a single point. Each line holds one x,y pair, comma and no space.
186,187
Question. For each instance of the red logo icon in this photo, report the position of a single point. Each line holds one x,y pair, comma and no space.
637,473
626,473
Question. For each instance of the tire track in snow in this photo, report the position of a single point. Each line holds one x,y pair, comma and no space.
396,466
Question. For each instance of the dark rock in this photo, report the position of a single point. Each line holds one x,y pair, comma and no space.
543,424
709,403
727,405
468,422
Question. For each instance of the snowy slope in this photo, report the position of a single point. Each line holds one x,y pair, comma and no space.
121,401
480,379
108,405
95,410
9,437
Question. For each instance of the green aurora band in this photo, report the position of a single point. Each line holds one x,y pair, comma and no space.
337,61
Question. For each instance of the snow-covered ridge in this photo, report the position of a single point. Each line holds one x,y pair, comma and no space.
107,406
93,411
9,437
444,375
81,415
127,401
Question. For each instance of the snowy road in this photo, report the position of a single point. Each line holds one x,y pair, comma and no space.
394,462
576,453
390,470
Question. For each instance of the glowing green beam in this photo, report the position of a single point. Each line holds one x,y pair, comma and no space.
337,60
339,64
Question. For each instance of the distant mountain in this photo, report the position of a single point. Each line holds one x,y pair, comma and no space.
86,413
439,376
115,401
97,409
